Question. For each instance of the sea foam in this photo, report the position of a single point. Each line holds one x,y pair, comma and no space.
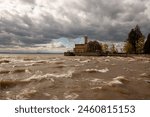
97,70
50,76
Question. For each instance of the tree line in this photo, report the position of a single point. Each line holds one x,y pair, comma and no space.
134,44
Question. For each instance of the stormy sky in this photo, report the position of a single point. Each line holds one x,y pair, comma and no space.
54,25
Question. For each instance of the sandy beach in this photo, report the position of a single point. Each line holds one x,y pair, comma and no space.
55,76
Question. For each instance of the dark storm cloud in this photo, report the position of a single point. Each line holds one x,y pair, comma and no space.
40,21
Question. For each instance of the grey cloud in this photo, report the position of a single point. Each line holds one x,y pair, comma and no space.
99,19
28,1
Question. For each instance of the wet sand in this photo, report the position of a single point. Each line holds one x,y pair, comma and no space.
56,76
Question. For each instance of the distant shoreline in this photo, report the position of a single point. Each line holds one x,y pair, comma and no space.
29,53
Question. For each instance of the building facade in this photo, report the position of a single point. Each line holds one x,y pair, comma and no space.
91,46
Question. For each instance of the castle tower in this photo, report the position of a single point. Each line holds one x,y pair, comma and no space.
86,39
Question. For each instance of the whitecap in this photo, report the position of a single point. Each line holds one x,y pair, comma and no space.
97,70
96,81
76,59
31,64
146,61
47,94
121,79
49,76
17,61
96,88
143,74
38,77
78,65
71,96
107,60
115,82
56,62
26,93
131,60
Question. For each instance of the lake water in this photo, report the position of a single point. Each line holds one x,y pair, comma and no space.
54,76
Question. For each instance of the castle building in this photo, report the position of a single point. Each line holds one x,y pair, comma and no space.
81,48
88,47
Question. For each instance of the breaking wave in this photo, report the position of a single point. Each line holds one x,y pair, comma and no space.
97,70
70,96
25,94
50,76
97,82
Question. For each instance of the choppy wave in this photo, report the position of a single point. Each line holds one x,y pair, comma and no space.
97,81
5,84
19,70
97,70
118,84
15,71
107,60
4,61
70,96
85,61
26,94
121,79
50,76
3,71
115,83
